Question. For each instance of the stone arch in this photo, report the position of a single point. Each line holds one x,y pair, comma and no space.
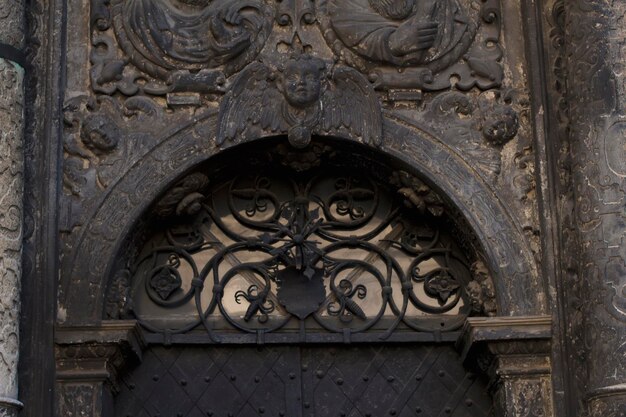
83,284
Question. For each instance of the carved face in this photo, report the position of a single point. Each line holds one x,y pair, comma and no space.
100,134
393,9
301,82
501,126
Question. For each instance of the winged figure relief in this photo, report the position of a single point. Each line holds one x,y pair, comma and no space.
164,35
301,99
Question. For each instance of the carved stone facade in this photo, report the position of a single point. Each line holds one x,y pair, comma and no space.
11,198
481,137
597,177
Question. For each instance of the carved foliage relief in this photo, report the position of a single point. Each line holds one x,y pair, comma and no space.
298,68
594,57
303,67
187,46
346,60
11,209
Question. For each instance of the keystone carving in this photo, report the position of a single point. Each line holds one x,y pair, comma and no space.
300,99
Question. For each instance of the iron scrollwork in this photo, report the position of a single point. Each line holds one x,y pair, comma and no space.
282,250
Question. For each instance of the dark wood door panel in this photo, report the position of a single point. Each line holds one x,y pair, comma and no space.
309,381
390,380
213,382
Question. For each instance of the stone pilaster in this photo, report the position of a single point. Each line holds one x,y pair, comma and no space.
11,196
596,85
515,353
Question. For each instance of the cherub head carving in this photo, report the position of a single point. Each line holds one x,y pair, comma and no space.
302,80
500,125
393,9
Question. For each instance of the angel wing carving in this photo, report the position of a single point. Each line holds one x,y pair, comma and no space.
300,100
249,107
350,104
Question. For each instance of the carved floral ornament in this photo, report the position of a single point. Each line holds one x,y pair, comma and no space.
285,247
330,64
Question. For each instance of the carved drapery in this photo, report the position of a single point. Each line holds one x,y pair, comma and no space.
11,195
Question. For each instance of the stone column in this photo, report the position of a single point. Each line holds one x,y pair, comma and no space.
595,57
11,191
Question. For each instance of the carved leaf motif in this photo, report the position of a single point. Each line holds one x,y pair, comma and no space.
488,69
112,71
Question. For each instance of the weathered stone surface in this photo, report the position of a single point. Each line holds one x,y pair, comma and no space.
89,362
125,140
8,412
594,34
525,386
11,170
514,351
12,19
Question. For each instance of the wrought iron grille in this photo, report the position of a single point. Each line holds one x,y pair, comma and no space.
307,245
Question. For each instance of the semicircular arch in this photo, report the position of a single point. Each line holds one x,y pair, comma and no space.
509,258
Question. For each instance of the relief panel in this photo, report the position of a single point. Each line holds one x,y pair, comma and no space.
215,74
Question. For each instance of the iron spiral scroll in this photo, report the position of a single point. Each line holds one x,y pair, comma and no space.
283,251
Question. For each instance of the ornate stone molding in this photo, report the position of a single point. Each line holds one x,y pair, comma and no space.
89,360
11,196
515,353
596,87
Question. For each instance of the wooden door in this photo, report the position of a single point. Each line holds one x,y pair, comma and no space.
374,380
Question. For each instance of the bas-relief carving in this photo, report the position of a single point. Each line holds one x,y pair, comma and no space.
11,228
175,46
593,48
151,77
77,400
13,23
404,32
479,127
301,99
529,398
188,53
96,146
178,44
